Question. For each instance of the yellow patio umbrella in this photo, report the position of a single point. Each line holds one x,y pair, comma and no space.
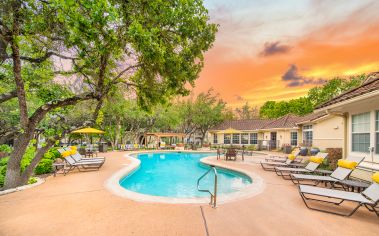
229,131
88,130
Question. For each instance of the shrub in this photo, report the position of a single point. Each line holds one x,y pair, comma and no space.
32,180
44,167
5,148
46,164
251,148
334,154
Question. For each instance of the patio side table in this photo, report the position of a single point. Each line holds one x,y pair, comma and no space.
57,167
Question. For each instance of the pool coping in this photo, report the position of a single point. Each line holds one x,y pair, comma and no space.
112,184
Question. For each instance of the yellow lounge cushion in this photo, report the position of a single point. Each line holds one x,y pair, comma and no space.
316,159
375,177
66,153
347,164
291,157
72,151
73,147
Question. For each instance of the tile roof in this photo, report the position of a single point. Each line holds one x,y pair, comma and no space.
287,121
311,117
284,122
371,84
252,124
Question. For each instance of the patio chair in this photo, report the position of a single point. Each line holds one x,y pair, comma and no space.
281,158
368,198
78,157
314,163
231,154
339,175
82,165
294,162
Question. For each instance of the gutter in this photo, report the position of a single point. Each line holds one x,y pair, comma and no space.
348,101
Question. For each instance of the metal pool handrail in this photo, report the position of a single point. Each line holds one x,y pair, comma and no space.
214,194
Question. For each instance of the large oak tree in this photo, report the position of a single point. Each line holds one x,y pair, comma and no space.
153,47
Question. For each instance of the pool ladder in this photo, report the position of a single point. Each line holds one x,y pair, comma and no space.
214,194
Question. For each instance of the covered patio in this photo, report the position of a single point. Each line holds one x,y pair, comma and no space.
157,138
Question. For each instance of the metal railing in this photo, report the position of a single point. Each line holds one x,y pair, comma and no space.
213,201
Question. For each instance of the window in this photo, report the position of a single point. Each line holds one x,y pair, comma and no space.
293,138
253,138
377,132
215,141
244,138
226,138
308,135
236,138
360,127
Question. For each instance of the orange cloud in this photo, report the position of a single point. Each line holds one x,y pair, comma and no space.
325,53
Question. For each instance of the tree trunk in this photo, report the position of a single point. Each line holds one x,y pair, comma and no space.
13,177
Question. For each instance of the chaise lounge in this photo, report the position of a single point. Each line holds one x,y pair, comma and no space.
314,163
368,198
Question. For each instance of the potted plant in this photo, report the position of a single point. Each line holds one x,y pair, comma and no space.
287,148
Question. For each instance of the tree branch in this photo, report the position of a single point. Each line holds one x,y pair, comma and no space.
7,96
125,70
40,113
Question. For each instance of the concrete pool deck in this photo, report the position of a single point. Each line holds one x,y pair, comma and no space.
79,204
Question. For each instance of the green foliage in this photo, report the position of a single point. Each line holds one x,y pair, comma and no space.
28,157
299,106
251,147
5,148
332,88
32,180
3,170
316,96
246,112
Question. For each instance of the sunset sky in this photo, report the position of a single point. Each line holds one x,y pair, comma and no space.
277,50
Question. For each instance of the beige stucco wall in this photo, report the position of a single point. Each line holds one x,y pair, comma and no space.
361,106
329,133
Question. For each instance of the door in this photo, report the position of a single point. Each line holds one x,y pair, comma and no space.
272,140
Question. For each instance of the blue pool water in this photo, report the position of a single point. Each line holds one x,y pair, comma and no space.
175,174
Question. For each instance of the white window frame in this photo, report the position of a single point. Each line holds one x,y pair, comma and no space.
252,140
246,135
366,132
227,140
215,139
306,129
239,138
292,139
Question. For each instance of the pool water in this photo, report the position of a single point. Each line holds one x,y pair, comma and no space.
175,174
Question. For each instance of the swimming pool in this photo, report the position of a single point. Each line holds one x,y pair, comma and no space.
175,174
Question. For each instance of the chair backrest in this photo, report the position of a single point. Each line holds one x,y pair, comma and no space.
296,152
70,160
372,192
61,150
312,166
289,161
77,157
357,159
341,173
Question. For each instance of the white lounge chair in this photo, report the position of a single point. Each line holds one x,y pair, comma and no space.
339,175
281,158
368,198
270,165
285,172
